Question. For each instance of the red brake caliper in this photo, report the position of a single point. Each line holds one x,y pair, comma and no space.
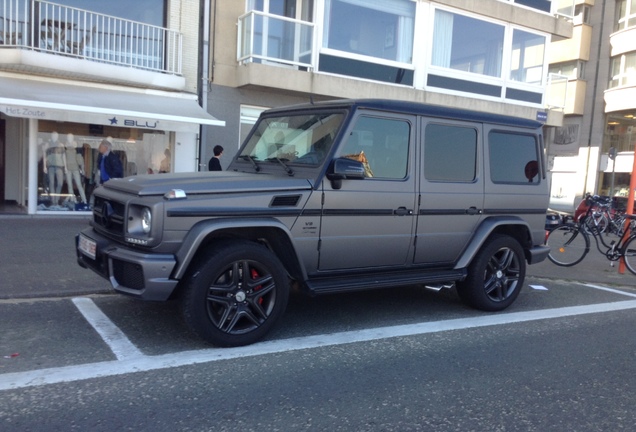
255,276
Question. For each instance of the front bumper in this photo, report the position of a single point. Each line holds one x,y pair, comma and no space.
142,275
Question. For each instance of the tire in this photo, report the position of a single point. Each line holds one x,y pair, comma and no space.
629,254
495,276
568,245
596,222
235,295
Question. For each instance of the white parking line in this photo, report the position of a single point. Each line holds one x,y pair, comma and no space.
612,290
110,333
143,363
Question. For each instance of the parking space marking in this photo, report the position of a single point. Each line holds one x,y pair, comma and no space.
612,290
143,363
116,340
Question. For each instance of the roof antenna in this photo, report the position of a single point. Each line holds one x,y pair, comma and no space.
311,99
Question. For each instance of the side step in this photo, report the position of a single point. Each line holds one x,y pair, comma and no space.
364,281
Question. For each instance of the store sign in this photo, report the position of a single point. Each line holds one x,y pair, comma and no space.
133,123
16,111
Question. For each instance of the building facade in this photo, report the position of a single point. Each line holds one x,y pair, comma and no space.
486,55
593,151
74,73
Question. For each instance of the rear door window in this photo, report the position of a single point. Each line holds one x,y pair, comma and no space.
513,158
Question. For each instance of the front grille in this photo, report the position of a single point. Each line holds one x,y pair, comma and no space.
128,275
109,215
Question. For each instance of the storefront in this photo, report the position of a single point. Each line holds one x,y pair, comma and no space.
619,140
53,131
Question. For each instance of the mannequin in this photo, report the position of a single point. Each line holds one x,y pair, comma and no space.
74,167
54,164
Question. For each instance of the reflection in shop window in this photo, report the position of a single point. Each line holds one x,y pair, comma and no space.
68,170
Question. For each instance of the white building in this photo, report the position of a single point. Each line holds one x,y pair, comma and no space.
82,71
486,55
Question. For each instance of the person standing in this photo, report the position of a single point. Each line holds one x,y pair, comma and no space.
215,163
108,162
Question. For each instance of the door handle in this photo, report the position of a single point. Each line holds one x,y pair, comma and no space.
473,211
402,211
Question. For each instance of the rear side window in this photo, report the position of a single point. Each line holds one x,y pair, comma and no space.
450,153
513,158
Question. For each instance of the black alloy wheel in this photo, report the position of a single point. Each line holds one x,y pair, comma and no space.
495,276
236,294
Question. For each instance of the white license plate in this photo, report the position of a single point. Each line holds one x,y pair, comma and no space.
87,246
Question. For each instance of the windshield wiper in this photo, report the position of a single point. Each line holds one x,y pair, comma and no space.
251,159
288,170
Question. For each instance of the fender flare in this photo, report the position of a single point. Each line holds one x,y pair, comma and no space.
483,231
202,230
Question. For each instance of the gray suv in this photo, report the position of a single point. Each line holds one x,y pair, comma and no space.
330,197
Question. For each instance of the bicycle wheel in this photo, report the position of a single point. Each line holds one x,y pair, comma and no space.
568,245
629,254
596,221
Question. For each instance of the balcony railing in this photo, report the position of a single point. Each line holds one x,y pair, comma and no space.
266,38
52,28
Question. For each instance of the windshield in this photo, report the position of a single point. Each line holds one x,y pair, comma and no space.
293,139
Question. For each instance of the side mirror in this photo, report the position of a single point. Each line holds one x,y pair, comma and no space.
344,168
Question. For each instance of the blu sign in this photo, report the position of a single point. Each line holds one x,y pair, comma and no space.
134,123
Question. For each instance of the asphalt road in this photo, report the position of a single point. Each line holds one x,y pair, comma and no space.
73,356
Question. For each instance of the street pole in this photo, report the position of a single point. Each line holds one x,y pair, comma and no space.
630,207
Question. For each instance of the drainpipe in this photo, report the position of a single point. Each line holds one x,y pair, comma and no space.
204,58
592,115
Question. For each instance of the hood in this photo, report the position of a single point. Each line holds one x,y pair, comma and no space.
205,183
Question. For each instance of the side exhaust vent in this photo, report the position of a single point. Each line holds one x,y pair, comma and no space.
285,201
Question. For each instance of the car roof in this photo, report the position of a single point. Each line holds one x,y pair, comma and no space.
414,108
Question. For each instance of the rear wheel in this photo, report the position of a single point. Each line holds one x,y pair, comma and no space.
568,245
495,276
235,294
629,255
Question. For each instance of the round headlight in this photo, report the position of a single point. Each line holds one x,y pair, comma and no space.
146,220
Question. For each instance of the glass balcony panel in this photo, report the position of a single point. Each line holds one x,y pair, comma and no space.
276,39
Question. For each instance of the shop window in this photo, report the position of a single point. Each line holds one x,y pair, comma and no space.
68,168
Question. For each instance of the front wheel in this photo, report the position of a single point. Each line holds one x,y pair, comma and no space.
495,276
568,245
235,294
629,254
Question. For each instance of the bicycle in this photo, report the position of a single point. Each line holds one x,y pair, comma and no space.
570,242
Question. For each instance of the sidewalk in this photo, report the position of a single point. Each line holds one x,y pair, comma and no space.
37,259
